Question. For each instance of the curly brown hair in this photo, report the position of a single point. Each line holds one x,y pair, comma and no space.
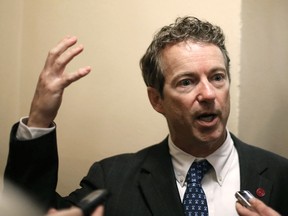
183,29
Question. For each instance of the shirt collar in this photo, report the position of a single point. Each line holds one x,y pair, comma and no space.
221,160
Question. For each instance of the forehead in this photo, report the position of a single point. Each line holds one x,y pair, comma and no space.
190,55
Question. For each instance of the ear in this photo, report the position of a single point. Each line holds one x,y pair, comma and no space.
155,99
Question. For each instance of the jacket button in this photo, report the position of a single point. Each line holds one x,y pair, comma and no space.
260,192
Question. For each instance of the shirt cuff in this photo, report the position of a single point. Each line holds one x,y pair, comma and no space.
27,133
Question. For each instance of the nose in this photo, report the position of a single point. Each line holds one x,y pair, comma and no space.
206,92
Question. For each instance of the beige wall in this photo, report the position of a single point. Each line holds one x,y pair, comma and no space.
10,62
263,118
108,112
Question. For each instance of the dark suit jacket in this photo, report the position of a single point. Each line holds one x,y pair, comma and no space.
142,183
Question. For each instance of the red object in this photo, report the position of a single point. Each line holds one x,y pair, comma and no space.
260,192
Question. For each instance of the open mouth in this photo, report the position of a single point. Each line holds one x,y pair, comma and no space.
207,117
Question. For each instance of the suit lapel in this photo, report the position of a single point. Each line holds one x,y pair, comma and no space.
158,184
252,168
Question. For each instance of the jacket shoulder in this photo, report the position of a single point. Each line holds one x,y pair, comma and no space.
255,153
133,159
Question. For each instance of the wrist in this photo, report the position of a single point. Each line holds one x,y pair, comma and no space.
36,121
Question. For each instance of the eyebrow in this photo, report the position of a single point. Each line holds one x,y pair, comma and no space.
223,69
191,73
182,74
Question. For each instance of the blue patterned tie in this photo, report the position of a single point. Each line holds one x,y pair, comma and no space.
194,201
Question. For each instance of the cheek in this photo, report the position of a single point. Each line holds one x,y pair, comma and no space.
226,103
177,106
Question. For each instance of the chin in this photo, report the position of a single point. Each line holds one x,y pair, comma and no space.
213,137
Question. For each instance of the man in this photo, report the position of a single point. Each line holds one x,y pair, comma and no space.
186,70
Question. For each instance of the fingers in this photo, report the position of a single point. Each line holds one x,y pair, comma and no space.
259,209
262,209
99,211
243,211
72,77
51,211
66,212
55,54
74,211
53,80
59,57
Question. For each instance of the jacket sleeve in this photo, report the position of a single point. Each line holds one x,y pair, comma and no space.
32,166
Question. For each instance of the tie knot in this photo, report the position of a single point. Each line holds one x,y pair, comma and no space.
197,171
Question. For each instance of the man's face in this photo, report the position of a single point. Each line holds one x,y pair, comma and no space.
196,100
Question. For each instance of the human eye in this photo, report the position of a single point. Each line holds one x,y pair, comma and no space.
219,77
185,82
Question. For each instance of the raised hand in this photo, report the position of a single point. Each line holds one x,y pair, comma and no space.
52,82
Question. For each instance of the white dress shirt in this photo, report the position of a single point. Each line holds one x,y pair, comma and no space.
27,133
219,184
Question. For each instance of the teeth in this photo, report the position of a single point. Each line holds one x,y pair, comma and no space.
207,118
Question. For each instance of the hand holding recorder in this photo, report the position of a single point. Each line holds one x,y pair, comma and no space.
90,205
248,205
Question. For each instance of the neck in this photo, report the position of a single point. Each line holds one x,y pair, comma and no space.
199,148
